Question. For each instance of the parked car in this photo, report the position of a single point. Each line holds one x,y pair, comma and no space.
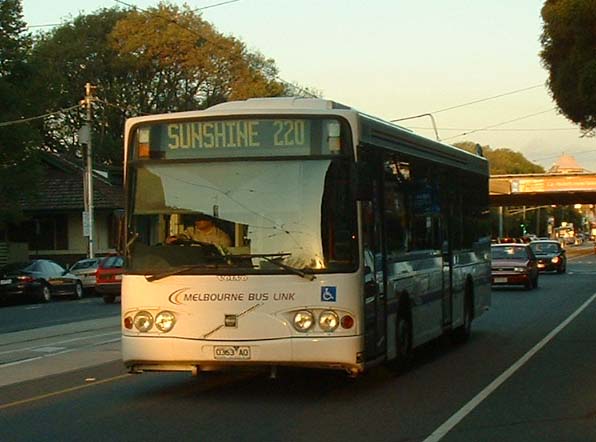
38,280
108,278
514,264
85,269
550,254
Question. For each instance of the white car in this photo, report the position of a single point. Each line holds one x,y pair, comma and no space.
85,269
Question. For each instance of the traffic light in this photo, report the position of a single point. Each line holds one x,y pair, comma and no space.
522,226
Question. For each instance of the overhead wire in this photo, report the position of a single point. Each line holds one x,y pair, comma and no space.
501,124
480,100
37,117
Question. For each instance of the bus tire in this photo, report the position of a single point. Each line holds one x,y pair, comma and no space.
462,333
403,343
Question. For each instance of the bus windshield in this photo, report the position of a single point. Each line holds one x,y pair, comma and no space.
242,217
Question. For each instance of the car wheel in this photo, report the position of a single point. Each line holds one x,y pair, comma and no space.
78,291
109,299
45,294
562,269
535,284
528,284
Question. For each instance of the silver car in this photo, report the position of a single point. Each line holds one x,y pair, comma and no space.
85,269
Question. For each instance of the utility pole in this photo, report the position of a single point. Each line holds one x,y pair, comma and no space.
89,97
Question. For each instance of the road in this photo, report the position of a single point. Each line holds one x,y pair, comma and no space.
527,374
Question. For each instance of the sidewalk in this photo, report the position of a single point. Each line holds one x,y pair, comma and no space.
41,352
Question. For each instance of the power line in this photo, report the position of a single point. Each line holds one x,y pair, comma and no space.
552,129
38,117
501,124
471,102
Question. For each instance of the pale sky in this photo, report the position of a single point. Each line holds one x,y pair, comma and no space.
399,58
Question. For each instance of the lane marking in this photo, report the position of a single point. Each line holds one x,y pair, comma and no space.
66,390
58,353
64,341
455,419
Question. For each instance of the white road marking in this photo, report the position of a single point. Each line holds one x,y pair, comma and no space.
448,425
64,341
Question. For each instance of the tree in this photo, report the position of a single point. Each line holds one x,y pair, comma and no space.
568,46
65,59
187,64
19,167
503,161
164,59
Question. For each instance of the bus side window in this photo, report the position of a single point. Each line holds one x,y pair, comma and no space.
396,178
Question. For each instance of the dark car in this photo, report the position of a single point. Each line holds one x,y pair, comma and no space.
38,280
108,278
551,256
514,264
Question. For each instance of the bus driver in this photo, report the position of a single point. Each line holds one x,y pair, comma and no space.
204,231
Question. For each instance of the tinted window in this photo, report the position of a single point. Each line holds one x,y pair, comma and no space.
112,262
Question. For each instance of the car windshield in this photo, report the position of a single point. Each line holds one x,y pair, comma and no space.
234,216
86,264
510,252
545,248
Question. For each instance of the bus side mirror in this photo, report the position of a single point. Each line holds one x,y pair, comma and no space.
363,182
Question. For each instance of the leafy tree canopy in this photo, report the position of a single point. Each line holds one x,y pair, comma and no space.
18,161
163,59
503,161
568,47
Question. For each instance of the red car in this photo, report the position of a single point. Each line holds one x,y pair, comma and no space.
514,264
108,278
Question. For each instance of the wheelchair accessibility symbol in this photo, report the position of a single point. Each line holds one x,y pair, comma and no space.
329,294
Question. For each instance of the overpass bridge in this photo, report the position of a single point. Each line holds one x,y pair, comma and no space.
539,189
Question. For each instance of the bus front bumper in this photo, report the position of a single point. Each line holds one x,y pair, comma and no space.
147,353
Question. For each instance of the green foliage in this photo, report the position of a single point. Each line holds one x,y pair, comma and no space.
19,168
568,47
65,59
503,161
164,59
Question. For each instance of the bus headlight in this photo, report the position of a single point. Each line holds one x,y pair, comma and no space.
143,321
303,320
328,321
164,321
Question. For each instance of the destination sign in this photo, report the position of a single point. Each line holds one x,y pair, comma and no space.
238,133
239,137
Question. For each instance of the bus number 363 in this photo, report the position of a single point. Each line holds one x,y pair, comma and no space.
289,133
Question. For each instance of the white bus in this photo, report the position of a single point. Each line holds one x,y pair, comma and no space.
351,240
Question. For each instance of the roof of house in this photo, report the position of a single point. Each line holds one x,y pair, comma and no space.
61,188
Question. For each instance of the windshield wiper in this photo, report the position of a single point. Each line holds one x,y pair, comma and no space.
271,257
178,270
294,270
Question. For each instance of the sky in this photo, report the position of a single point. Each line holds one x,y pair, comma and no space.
400,58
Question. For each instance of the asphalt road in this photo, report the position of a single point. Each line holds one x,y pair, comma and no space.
527,374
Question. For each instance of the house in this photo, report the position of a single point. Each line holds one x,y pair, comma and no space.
53,227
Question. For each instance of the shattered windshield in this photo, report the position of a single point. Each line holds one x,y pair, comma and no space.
242,216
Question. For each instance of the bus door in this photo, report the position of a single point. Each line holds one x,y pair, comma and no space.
374,277
449,238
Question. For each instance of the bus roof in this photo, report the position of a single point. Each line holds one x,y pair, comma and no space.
374,132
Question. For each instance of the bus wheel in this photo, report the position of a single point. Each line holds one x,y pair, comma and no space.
403,344
462,333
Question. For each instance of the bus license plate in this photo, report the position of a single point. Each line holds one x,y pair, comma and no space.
233,352
500,280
